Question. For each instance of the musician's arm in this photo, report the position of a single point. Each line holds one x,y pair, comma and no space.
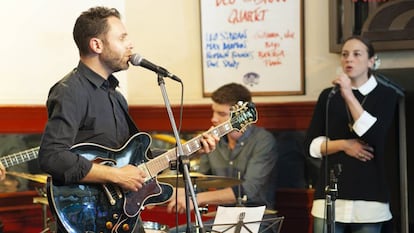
216,197
128,177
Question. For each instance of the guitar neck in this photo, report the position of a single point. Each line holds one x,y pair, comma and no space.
162,162
19,157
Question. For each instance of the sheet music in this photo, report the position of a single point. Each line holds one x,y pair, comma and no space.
232,219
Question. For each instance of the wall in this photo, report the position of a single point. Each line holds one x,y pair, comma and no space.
166,32
37,47
169,34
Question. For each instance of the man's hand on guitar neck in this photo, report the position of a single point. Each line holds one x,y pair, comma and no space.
208,142
128,177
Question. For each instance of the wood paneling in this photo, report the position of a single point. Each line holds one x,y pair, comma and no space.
273,116
19,214
295,205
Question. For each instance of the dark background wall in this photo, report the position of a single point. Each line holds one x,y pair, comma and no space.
403,78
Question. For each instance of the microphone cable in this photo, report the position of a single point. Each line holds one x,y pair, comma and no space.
331,94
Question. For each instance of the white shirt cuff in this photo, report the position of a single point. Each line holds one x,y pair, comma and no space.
315,146
364,123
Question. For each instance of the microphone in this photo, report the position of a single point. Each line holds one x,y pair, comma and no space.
334,90
137,60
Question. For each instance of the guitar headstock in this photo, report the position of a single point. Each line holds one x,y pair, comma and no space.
243,114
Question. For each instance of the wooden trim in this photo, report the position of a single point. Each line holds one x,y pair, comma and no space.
19,213
22,119
273,116
280,116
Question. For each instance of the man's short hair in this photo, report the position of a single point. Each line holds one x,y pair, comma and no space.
231,94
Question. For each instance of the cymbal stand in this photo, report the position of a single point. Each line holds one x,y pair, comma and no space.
240,200
183,161
42,194
47,224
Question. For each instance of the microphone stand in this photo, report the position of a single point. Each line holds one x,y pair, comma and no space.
331,194
331,190
183,162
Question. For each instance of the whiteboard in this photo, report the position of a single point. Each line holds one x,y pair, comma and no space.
37,47
258,43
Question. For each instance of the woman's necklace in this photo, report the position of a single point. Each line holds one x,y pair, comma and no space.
350,119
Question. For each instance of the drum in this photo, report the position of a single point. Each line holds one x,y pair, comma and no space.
154,227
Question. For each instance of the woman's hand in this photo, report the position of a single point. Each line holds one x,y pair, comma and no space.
359,149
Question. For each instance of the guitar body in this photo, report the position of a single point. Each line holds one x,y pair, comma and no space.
106,207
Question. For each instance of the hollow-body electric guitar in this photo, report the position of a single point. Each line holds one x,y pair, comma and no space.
107,208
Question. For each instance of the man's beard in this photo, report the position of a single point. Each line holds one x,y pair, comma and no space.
113,61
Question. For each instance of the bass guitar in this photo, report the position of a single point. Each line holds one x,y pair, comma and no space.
19,157
107,208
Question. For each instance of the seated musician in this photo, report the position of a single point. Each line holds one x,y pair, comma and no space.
11,144
250,156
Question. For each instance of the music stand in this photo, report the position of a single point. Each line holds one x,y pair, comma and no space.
227,223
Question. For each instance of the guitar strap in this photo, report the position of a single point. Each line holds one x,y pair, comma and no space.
133,129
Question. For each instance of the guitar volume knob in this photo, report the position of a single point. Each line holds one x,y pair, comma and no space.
125,227
109,225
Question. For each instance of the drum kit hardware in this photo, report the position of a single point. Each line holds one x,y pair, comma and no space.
39,178
199,180
154,227
48,224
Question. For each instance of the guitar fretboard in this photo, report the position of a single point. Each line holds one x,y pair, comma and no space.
20,157
162,162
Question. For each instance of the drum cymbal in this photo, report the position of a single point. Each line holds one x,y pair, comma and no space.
40,178
200,180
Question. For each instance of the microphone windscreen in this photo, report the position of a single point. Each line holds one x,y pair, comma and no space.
135,59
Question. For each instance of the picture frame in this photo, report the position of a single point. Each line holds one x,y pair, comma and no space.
388,24
255,43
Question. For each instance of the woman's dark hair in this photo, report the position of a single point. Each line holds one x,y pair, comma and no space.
366,42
